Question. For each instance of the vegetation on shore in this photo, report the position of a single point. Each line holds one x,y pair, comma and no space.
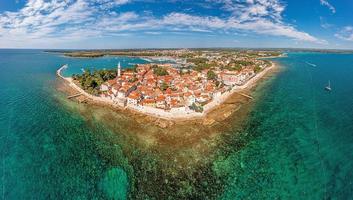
93,54
187,53
91,81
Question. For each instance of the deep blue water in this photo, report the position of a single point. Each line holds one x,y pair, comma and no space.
301,143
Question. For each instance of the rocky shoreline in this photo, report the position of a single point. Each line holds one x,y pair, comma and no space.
212,106
220,112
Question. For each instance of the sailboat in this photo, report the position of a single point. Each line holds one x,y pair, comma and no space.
311,64
328,88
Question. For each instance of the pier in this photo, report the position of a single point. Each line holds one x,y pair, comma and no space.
75,95
58,72
245,95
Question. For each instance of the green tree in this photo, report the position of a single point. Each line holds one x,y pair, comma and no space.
134,68
164,86
133,79
236,67
257,69
211,75
160,71
196,108
91,82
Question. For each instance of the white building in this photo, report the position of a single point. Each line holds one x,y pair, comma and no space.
132,101
115,90
216,94
190,100
121,94
104,88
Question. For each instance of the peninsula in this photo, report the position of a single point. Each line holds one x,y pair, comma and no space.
187,85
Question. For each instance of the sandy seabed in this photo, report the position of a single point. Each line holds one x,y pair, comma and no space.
177,133
178,154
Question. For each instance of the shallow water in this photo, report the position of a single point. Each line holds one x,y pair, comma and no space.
297,141
300,136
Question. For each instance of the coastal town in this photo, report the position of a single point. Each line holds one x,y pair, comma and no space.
192,84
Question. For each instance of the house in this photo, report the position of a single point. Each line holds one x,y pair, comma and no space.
189,98
115,89
151,82
245,75
149,102
175,96
202,98
104,87
133,98
111,82
149,95
172,103
216,94
122,93
160,102
230,78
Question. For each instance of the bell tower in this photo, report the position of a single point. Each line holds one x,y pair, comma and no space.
119,70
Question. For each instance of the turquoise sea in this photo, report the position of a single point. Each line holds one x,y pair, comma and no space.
296,144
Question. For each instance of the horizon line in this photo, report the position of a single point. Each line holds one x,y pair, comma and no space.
178,48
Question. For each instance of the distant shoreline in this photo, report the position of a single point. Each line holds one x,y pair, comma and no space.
159,113
283,55
109,51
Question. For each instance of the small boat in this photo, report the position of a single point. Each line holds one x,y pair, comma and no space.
311,64
328,87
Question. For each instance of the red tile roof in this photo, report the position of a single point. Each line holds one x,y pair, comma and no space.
148,101
134,95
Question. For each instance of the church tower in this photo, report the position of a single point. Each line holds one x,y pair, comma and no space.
119,70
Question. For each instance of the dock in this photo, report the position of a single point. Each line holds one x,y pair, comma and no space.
245,95
74,96
58,72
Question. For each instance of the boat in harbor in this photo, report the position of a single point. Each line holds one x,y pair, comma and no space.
328,87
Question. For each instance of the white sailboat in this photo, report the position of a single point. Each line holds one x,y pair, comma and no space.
311,64
328,87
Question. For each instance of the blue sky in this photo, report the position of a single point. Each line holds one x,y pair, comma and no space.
176,23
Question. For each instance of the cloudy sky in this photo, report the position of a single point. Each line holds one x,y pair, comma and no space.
176,23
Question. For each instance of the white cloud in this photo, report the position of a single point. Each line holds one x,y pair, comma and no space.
324,24
346,34
56,21
260,26
328,5
259,16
